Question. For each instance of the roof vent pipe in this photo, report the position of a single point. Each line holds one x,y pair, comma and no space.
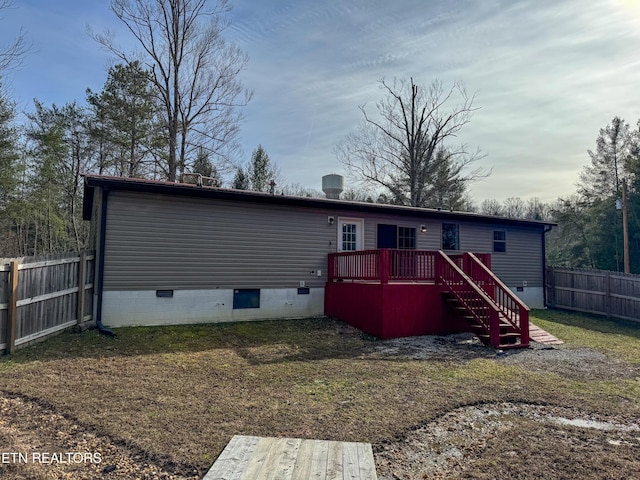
332,185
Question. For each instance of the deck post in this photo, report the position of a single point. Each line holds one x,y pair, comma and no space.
331,267
383,265
466,264
494,329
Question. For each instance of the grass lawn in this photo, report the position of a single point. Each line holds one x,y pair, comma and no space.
176,395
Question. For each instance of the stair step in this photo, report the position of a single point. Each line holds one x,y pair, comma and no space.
509,335
503,335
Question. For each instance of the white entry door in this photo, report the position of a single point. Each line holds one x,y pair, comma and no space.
350,234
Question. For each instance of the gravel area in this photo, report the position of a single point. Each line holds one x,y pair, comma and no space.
448,446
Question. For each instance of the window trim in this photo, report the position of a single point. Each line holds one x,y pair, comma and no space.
359,222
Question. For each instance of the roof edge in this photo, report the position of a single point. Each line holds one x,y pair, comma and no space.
186,189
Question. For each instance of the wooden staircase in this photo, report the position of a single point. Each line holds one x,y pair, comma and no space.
497,316
509,336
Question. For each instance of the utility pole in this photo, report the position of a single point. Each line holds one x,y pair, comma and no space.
625,226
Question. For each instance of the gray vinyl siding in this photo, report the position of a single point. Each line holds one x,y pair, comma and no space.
521,262
161,242
156,241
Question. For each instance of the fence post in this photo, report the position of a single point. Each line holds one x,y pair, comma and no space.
607,293
551,287
81,283
12,319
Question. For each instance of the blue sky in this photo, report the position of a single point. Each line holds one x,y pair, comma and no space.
548,74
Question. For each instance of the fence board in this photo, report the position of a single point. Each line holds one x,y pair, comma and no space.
4,303
594,291
49,294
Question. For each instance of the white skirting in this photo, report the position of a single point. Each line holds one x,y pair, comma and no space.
130,308
532,296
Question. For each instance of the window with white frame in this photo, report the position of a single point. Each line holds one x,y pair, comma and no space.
350,234
349,237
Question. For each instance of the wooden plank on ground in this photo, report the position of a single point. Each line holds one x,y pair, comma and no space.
234,459
255,458
350,463
334,461
302,469
284,468
258,459
365,461
539,335
268,469
319,459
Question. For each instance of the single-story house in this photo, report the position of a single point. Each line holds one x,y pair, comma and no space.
172,253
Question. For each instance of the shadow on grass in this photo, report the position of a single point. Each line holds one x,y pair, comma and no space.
257,342
317,337
590,322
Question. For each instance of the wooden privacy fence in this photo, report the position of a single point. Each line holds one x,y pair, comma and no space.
594,291
40,296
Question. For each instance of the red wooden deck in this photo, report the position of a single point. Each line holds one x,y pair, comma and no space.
399,293
393,309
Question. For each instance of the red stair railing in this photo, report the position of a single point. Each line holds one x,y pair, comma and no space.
512,308
475,301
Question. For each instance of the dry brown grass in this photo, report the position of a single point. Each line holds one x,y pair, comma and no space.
178,394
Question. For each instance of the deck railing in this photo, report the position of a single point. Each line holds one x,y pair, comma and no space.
382,265
513,309
358,265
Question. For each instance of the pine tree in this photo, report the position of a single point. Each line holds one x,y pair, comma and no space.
261,171
125,125
241,180
609,162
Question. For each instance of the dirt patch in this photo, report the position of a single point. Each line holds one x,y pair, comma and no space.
574,363
527,438
564,360
46,445
457,348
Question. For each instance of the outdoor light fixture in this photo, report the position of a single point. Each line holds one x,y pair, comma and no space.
331,220
423,229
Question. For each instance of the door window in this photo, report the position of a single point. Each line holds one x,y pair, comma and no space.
350,234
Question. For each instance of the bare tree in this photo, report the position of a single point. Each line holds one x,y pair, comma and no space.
537,210
194,70
492,207
514,207
11,55
405,149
